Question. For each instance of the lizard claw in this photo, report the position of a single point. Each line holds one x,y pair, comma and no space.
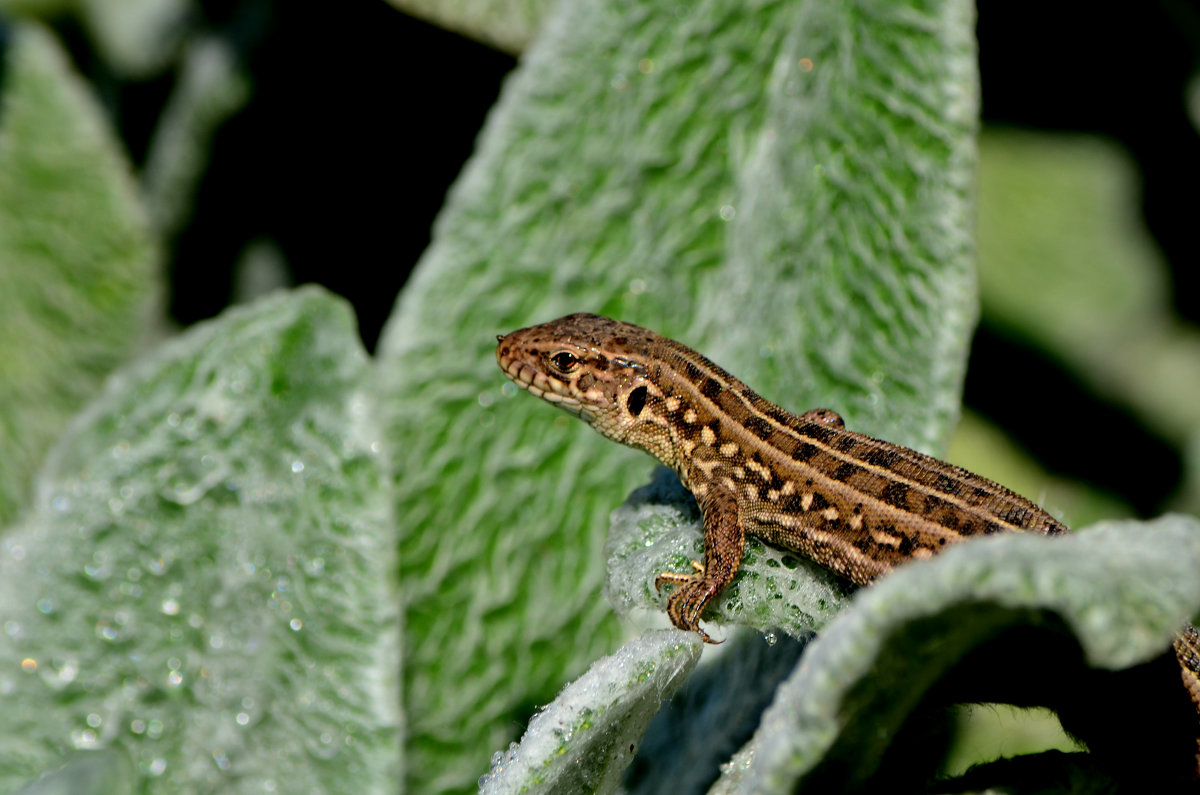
685,605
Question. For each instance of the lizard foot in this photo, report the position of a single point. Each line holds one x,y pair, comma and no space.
685,605
671,576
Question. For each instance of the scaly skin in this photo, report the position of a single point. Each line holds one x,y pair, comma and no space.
856,505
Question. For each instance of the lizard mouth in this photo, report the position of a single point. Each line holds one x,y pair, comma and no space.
551,390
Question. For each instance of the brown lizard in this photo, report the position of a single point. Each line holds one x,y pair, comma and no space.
854,504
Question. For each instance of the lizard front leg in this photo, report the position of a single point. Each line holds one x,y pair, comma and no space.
724,543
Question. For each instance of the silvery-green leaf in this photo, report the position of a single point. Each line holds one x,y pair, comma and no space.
77,264
137,37
658,529
583,741
206,583
713,715
86,773
782,185
509,25
1120,589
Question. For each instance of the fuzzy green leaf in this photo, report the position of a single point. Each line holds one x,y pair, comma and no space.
505,24
784,185
138,38
658,529
1066,264
710,718
212,86
1121,589
589,734
87,773
205,583
76,260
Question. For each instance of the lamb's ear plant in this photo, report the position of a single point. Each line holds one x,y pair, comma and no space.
78,275
785,186
204,593
205,580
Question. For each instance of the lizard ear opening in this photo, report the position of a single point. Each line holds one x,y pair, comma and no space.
636,401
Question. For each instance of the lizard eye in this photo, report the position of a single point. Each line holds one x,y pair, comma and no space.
564,361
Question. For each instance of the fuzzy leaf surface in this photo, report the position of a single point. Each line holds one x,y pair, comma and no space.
206,582
1119,590
77,264
782,185
584,740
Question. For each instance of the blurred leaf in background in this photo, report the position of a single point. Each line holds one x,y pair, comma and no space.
206,582
509,25
1065,265
78,262
1089,291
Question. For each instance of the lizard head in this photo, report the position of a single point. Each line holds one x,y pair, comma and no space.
591,366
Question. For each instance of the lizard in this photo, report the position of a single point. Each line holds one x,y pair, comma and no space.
856,505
